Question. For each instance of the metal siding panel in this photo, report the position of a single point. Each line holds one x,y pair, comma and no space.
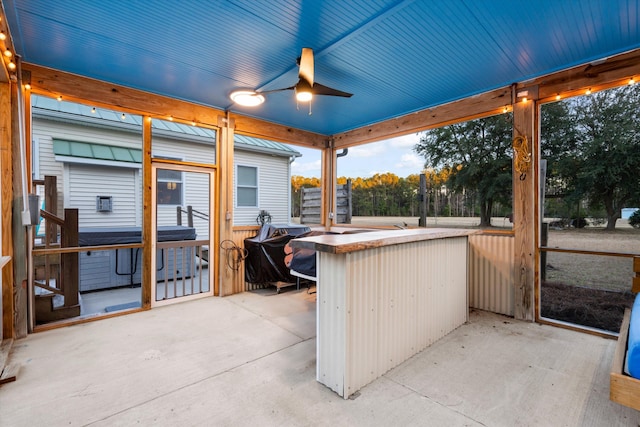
400,299
491,274
330,321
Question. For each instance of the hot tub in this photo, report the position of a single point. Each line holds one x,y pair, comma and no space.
123,267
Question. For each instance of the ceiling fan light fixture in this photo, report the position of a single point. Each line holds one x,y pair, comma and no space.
303,91
247,98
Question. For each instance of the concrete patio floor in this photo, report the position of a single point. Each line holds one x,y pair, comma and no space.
249,359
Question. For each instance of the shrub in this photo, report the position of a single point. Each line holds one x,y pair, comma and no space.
634,219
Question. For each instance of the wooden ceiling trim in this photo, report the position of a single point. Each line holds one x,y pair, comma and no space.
483,105
614,71
54,83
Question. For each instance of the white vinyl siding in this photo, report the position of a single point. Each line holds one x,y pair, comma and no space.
273,175
273,187
122,185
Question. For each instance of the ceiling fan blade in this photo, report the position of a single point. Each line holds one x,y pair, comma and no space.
319,89
264,92
306,65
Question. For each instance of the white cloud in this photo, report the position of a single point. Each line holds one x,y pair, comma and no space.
405,141
304,168
410,161
367,150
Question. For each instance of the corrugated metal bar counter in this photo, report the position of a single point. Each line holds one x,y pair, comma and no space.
383,296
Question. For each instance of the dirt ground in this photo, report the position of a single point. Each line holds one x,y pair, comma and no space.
590,290
587,290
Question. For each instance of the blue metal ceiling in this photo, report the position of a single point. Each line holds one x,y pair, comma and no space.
395,56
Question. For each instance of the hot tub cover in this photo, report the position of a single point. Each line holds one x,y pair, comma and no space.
96,236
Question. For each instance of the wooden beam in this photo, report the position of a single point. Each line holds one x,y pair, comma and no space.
6,192
613,71
486,104
524,203
53,83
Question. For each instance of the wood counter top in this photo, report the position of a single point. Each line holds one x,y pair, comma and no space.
345,243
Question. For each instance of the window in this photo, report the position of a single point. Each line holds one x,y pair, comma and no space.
169,187
247,186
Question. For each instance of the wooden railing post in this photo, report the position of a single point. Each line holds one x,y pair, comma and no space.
190,216
69,261
51,206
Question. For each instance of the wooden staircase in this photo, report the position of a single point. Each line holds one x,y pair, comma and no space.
56,275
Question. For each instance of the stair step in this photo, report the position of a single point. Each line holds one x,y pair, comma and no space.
9,373
5,348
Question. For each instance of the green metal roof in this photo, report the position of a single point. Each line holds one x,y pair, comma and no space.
45,107
88,150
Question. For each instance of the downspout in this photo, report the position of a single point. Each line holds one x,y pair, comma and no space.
26,216
291,160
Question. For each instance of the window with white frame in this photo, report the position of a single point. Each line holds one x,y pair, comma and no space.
169,187
247,186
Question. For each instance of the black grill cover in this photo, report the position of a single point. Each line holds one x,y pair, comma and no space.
266,253
304,260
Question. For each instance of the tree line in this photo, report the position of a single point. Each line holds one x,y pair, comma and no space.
591,146
390,195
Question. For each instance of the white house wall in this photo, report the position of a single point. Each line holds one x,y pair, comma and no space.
273,179
273,187
89,181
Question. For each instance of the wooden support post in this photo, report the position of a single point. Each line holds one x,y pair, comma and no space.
6,191
328,183
147,218
190,216
224,285
69,261
525,140
51,205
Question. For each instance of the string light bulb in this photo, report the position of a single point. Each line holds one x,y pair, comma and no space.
59,98
11,65
588,92
631,81
123,116
170,118
558,97
8,53
505,109
524,99
93,110
3,35
27,86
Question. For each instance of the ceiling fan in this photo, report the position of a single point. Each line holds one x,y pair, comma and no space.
305,88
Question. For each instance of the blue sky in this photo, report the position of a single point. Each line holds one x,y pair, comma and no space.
392,155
